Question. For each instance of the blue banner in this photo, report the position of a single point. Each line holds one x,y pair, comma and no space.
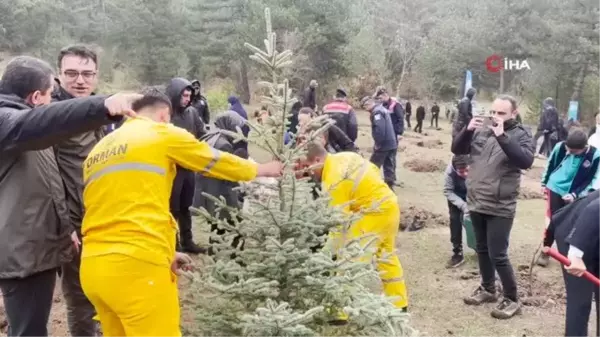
468,81
573,108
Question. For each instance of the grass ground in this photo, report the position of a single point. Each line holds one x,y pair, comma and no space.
435,292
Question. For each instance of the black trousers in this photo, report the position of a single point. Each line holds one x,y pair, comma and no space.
456,225
407,117
419,127
387,159
182,197
27,302
492,234
434,117
579,298
556,202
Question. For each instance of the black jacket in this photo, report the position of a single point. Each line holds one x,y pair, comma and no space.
435,110
35,227
465,113
184,117
496,163
548,117
200,103
420,113
310,98
70,155
396,115
408,108
338,141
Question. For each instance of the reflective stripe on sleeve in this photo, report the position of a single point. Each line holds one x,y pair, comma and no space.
216,156
359,176
126,167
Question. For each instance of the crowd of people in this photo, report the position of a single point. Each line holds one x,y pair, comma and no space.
97,190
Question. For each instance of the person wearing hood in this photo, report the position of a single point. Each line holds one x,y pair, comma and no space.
499,152
548,127
342,113
37,233
200,103
310,96
294,111
465,112
179,90
78,77
455,191
235,105
227,121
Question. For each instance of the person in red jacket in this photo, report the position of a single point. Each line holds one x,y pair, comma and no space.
342,113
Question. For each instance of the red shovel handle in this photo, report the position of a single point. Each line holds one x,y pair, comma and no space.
563,260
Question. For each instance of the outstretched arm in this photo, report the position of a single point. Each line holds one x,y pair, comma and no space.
45,126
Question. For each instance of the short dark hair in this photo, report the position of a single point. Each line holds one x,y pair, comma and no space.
152,96
460,161
577,139
24,75
80,50
512,100
315,150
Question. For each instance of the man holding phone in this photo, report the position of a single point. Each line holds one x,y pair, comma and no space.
500,147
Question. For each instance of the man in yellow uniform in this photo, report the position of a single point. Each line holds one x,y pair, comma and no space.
356,183
128,260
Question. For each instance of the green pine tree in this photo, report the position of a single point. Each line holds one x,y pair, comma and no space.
279,284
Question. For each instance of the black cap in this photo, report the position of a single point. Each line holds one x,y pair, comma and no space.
341,92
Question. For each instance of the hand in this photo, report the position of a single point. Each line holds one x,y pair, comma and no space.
475,123
545,249
181,262
497,126
544,193
75,240
577,267
121,104
273,169
568,198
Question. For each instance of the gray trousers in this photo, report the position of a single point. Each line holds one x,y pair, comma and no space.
27,302
80,311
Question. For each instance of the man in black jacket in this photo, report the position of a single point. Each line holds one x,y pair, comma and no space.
184,116
200,103
408,112
36,232
77,77
395,109
435,114
548,127
575,229
500,148
310,96
420,118
465,112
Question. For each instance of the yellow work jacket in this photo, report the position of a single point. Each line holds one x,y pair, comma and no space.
128,178
356,183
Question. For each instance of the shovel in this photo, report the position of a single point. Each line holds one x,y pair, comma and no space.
564,260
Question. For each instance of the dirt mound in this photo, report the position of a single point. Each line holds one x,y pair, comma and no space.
534,173
413,135
527,193
413,218
425,165
543,293
401,147
430,144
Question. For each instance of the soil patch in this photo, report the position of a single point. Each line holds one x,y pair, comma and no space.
534,173
425,165
539,292
412,135
414,218
527,193
430,144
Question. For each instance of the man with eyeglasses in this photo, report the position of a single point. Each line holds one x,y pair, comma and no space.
77,77
500,148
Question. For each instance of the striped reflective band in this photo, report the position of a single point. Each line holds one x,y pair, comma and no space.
216,156
126,167
359,176
393,280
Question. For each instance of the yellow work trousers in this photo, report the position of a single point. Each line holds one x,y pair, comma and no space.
385,227
131,297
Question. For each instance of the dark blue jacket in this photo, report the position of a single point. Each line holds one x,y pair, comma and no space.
396,115
584,179
585,235
382,130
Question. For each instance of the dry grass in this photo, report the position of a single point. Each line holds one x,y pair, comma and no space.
435,292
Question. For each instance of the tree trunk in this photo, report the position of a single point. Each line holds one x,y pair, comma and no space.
244,85
401,80
579,86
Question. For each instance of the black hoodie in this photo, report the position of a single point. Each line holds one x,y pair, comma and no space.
184,117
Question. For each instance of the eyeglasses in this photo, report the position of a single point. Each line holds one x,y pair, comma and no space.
74,74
